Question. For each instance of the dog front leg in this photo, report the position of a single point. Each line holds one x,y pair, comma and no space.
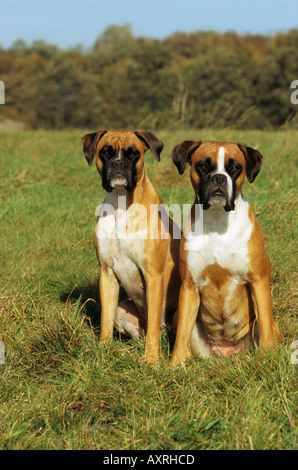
154,294
109,294
269,335
188,307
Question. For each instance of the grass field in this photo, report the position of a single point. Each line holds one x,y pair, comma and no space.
58,390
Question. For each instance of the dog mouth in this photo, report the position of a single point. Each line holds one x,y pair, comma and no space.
118,181
217,198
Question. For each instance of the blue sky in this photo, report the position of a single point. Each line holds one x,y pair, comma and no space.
71,22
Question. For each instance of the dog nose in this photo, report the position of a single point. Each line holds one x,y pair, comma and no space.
219,180
117,164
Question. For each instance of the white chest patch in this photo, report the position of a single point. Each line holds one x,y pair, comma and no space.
121,249
223,241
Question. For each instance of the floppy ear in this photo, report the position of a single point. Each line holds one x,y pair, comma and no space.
253,161
89,141
182,153
150,141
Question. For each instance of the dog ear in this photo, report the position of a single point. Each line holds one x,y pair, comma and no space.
150,141
253,161
89,141
182,153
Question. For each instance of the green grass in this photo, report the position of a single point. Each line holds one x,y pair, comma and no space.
58,389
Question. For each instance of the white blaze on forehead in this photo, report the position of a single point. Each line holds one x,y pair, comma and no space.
221,160
222,171
119,153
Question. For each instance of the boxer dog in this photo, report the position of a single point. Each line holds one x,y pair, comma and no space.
225,299
134,247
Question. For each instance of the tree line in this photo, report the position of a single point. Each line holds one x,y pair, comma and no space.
200,79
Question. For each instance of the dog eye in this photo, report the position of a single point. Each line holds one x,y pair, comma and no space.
235,168
203,166
106,152
132,152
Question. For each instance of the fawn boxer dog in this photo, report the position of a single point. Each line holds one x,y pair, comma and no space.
225,299
134,239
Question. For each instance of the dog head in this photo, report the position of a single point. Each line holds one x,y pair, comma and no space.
120,155
217,170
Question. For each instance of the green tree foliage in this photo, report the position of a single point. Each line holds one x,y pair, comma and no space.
199,79
67,95
113,37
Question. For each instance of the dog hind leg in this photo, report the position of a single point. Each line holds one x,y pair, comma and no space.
128,319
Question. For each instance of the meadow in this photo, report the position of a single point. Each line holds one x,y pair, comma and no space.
58,389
